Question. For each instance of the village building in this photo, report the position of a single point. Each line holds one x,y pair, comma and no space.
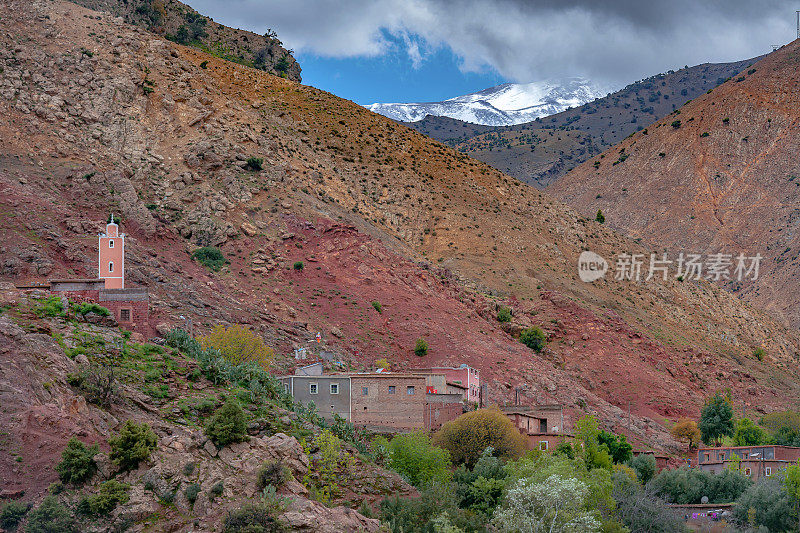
756,462
377,400
464,377
541,425
129,305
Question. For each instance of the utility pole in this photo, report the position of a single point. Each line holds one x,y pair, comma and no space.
798,23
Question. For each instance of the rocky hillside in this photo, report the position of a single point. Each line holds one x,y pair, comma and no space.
179,22
193,150
540,152
718,174
188,483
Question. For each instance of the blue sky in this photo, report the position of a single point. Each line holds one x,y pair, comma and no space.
394,77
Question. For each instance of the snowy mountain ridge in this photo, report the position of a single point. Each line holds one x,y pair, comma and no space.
503,105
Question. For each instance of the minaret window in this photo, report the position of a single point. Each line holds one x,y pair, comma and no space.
111,243
111,266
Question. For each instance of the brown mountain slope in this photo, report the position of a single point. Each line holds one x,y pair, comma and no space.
179,22
99,116
725,178
540,152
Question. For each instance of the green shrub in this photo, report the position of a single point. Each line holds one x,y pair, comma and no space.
216,490
378,307
299,265
253,518
191,492
421,347
504,314
534,338
470,434
600,217
77,462
759,353
110,494
48,307
416,459
210,257
50,517
204,65
228,424
255,163
12,514
85,308
273,473
97,381
132,445
676,124
704,134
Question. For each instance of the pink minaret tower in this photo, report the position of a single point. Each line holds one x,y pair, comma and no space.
111,256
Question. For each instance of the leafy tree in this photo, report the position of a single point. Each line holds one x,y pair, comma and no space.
784,426
50,517
132,445
416,459
77,462
748,433
600,217
534,338
238,345
554,505
767,504
421,347
686,431
617,446
688,485
588,432
716,419
470,434
228,424
640,509
644,465
791,484
481,488
416,515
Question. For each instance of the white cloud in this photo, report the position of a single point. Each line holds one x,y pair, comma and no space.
610,42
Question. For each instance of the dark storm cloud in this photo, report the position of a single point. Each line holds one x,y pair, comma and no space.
612,42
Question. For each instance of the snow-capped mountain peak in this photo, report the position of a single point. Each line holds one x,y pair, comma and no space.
503,105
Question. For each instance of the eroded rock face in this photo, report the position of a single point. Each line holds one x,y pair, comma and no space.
41,412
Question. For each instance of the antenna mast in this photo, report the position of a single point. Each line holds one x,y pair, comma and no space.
798,23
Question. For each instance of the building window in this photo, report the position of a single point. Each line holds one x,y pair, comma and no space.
410,390
543,445
391,389
364,391
111,266
768,471
286,388
334,388
312,388
111,243
747,471
708,456
124,315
